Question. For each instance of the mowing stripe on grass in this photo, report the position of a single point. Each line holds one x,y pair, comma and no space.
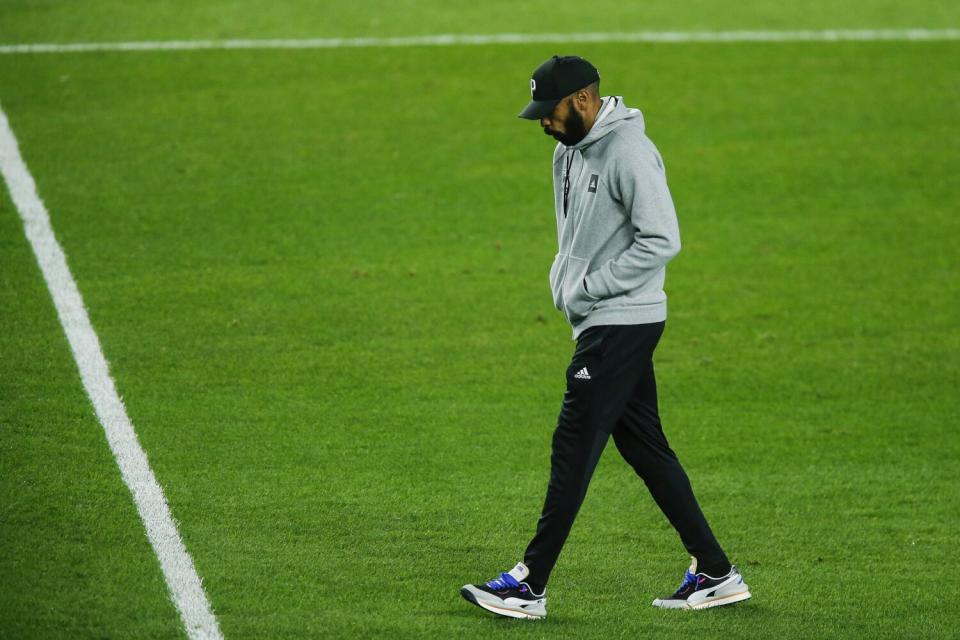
824,35
183,582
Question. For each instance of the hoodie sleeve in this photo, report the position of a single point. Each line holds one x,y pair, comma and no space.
641,183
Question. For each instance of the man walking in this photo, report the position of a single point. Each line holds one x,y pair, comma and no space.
616,229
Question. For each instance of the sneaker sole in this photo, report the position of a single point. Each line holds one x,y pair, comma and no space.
719,602
500,611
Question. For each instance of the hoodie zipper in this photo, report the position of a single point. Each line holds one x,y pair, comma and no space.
566,184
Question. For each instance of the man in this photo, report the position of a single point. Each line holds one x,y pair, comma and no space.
617,229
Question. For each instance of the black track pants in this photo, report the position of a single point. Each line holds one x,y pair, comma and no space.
611,389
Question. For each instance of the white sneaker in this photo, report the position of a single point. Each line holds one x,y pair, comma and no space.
508,596
700,591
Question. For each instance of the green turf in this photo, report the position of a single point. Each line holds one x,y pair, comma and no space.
96,20
75,560
321,280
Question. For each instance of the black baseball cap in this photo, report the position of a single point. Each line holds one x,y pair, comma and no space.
555,79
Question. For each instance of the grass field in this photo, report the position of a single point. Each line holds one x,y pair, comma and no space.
320,278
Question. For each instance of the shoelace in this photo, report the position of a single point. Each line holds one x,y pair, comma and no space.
505,581
688,579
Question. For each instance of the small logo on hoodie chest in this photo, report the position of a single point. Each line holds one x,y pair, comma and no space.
594,180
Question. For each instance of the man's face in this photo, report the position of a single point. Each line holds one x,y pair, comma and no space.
565,124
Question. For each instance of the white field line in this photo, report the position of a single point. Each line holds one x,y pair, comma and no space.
825,35
183,582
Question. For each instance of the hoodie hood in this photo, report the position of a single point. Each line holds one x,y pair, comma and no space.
612,115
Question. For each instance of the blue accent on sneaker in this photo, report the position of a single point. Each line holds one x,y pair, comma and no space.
505,581
688,579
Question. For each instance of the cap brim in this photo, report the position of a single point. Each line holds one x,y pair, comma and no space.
539,109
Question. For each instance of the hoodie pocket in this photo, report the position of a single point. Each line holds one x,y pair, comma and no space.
577,303
556,279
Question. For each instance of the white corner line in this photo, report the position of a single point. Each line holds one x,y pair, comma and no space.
183,582
820,35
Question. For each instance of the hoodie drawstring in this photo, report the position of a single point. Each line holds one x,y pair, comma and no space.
566,184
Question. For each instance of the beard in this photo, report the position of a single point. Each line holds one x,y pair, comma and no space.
574,130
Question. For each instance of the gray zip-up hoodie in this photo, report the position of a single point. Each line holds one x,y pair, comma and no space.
616,225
